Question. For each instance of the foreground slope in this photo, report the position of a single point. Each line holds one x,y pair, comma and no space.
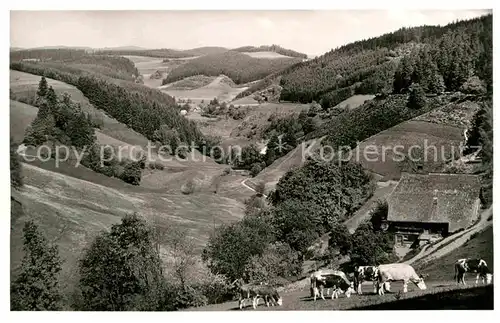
71,211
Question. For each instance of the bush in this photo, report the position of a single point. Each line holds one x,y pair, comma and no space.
156,165
473,85
230,247
255,170
132,173
122,270
188,187
275,266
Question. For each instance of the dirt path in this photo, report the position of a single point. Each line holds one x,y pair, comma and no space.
244,184
451,243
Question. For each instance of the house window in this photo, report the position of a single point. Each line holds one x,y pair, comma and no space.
399,240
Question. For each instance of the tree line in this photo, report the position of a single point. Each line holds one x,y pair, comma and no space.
142,109
441,58
272,48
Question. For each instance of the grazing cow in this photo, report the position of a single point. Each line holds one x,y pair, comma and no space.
254,292
478,266
397,272
334,279
365,273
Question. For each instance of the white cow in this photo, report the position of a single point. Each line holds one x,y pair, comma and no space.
399,272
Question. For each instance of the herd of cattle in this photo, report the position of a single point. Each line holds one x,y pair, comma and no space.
338,282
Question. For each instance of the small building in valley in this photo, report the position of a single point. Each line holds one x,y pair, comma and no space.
425,208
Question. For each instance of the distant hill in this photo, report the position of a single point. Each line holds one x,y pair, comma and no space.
164,52
368,66
239,67
273,48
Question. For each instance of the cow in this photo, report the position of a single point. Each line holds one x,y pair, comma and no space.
334,279
398,272
254,292
478,266
365,273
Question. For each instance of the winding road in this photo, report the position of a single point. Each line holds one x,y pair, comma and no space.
452,242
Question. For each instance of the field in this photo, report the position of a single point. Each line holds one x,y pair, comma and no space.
354,101
446,292
401,138
248,100
295,158
269,55
21,116
442,128
71,211
218,88
258,117
190,83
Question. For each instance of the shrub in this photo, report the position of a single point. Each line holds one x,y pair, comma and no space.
230,247
226,171
156,165
122,270
473,85
275,266
188,187
255,170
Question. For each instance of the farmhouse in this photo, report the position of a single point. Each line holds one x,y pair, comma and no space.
424,208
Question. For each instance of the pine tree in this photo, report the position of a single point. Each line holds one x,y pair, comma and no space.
16,179
416,99
36,288
42,87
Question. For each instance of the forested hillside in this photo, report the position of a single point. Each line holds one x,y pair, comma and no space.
429,55
142,109
167,53
239,67
273,48
46,54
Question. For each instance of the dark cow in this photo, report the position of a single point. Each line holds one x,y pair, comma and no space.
334,279
478,266
365,273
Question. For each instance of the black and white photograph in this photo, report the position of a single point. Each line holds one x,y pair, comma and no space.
250,160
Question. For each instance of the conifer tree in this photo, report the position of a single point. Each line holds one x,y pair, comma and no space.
36,288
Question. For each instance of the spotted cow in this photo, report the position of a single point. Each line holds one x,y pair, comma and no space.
334,279
477,266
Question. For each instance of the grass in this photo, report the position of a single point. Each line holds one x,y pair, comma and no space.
442,127
408,134
478,298
191,83
445,291
258,118
354,101
218,88
21,116
73,204
269,55
25,85
271,174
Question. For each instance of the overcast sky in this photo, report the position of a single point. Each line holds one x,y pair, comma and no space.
310,32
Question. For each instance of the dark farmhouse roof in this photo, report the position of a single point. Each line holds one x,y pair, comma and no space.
435,198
